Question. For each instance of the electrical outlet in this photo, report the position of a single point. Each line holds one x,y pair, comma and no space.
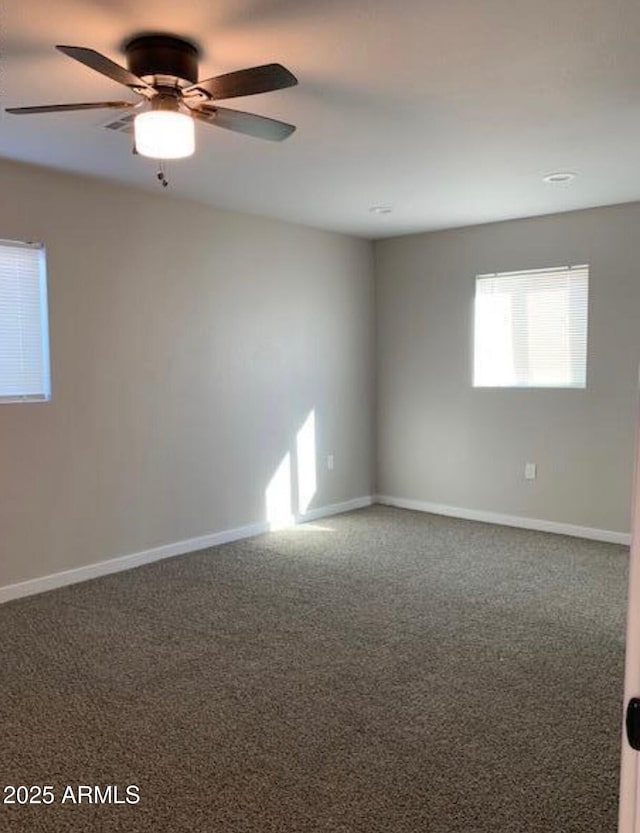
330,462
530,471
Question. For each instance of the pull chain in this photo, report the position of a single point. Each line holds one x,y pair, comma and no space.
161,177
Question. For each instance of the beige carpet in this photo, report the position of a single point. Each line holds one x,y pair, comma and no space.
377,672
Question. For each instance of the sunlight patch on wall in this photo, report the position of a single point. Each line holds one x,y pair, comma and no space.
306,459
294,484
278,496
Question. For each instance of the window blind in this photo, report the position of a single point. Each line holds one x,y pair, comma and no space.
24,336
531,328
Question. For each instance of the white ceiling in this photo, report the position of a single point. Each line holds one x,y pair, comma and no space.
451,111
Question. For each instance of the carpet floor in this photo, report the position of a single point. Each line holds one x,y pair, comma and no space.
381,671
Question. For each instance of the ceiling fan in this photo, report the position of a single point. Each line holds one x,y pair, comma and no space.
163,71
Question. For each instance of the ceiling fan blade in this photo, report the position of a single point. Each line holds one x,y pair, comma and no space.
262,79
248,123
63,108
105,66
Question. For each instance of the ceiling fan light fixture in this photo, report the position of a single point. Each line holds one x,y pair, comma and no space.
164,134
163,70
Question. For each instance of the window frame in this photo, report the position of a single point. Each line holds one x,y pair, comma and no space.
472,329
46,395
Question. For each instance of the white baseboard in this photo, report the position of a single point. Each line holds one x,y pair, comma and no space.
609,536
127,562
334,509
137,559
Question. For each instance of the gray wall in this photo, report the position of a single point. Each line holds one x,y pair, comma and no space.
441,441
188,347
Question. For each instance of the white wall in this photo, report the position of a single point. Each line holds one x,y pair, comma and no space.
188,348
190,345
441,441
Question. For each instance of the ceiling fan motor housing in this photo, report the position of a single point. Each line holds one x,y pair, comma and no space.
163,57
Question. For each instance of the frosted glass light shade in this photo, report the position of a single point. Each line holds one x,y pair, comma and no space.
164,134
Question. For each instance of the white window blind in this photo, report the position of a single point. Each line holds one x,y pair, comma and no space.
531,328
24,334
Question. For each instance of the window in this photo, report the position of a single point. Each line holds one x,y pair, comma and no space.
531,329
24,335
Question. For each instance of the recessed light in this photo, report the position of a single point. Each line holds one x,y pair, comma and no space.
381,209
559,177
